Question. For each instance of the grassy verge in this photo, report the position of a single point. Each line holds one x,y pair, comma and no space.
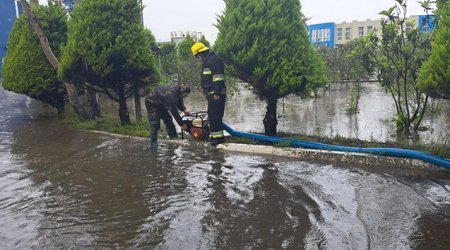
111,125
142,129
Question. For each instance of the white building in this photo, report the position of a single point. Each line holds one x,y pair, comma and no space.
178,36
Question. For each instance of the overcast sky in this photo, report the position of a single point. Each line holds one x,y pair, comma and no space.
164,16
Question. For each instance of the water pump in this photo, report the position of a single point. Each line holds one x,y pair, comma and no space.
198,125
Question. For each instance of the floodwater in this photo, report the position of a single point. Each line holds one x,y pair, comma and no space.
324,116
68,189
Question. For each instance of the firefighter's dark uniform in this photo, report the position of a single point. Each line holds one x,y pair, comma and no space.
213,83
162,100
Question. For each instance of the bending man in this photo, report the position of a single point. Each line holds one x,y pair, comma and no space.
162,100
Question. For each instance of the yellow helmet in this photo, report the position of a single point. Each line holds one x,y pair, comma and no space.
198,47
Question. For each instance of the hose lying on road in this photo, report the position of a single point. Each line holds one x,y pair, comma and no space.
396,152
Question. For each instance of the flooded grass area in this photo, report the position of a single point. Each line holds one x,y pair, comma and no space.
326,115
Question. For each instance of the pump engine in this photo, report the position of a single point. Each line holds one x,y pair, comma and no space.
198,125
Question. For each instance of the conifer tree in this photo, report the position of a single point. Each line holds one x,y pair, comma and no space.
434,76
107,47
26,69
266,44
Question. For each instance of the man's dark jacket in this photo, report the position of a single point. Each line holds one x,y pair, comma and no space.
168,98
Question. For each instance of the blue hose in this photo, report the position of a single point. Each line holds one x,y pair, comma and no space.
396,152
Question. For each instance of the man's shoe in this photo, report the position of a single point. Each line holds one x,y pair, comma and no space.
217,141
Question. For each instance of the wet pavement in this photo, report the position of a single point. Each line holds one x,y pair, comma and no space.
61,188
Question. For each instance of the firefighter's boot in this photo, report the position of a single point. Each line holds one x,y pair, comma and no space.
217,141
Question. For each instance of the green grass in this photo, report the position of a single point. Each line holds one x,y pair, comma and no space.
111,125
242,141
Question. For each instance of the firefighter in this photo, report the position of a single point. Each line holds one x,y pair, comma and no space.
213,84
161,100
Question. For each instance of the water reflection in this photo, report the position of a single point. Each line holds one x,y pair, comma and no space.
326,116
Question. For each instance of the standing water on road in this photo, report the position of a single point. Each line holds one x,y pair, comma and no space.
62,188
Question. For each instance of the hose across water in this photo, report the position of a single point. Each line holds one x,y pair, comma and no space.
396,152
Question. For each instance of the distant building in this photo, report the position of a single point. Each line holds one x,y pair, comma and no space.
335,34
427,23
178,36
69,4
10,10
350,31
322,33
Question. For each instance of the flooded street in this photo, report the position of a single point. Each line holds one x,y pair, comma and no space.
67,189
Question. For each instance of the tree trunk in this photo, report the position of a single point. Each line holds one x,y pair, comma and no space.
422,114
74,100
407,125
270,120
92,106
123,109
137,103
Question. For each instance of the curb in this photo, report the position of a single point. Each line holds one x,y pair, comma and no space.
312,155
333,157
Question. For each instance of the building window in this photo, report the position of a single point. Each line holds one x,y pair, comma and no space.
369,28
360,31
339,34
320,35
348,33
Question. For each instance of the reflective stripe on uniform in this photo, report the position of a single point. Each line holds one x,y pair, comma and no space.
218,77
207,71
218,134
